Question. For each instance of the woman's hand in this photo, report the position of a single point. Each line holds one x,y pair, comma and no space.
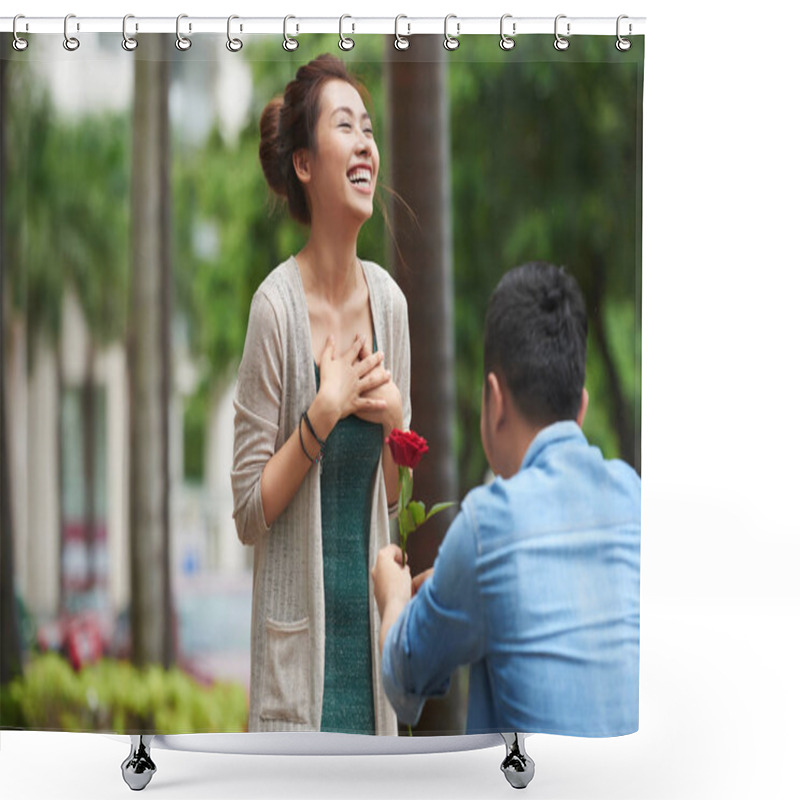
348,384
391,415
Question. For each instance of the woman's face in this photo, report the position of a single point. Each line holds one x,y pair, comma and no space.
343,168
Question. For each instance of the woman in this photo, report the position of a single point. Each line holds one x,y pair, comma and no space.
324,378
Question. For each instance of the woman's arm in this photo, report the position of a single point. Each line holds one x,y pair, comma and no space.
391,477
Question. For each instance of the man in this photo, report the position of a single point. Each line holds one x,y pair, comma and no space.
536,584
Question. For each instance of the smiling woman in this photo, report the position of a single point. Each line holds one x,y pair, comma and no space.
324,378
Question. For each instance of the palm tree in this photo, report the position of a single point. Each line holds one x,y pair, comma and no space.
10,647
148,357
419,147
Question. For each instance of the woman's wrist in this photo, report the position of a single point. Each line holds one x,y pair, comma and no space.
393,418
323,416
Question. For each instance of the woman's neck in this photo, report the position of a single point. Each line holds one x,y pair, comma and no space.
329,264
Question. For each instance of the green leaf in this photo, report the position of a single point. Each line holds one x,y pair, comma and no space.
417,510
437,508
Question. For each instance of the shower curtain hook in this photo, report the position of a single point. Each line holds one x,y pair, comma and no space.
182,42
450,42
561,43
70,42
506,42
129,43
345,42
289,44
234,45
19,44
623,44
401,42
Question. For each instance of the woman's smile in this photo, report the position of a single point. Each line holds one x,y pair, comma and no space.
360,176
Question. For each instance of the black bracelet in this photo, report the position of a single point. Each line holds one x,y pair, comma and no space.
320,442
303,445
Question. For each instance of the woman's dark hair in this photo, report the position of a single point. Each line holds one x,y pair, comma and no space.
535,338
288,123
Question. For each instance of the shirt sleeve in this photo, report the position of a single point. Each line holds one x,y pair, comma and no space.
440,629
257,402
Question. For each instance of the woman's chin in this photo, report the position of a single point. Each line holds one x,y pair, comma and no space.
363,212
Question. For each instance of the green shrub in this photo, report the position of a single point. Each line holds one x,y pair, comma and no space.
115,696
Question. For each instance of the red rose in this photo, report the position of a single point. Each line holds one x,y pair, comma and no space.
407,447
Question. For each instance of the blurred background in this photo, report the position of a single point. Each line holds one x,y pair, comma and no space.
135,227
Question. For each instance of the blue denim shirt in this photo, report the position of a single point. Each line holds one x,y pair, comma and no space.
536,586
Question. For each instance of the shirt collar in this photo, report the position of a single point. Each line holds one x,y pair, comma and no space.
561,431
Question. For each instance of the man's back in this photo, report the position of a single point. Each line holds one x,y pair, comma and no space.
558,568
537,586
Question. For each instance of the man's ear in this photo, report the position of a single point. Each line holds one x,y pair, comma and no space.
497,402
584,405
302,165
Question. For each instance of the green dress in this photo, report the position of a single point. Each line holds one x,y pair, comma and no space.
352,454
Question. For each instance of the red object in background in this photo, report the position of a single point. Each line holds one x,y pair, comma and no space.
83,641
82,638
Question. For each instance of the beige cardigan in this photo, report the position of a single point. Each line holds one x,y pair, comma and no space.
276,383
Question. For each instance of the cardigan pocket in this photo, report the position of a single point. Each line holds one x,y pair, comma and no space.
284,680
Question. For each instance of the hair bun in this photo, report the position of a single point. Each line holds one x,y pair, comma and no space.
553,298
272,162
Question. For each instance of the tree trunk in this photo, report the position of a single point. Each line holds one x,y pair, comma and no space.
10,645
88,412
419,155
148,344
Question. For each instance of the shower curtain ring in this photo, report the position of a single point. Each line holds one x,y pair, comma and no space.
506,42
345,42
19,44
401,42
234,45
560,42
129,43
70,42
450,42
182,42
623,44
289,44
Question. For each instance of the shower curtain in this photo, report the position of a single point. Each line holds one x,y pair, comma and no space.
136,227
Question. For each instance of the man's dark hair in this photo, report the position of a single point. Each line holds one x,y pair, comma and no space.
535,339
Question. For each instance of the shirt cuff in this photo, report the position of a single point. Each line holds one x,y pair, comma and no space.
398,674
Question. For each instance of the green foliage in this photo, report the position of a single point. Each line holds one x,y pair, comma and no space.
558,180
67,212
117,697
194,436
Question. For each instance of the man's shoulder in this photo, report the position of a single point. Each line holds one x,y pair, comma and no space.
490,507
579,490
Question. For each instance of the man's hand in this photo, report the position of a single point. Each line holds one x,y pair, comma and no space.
392,586
418,580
